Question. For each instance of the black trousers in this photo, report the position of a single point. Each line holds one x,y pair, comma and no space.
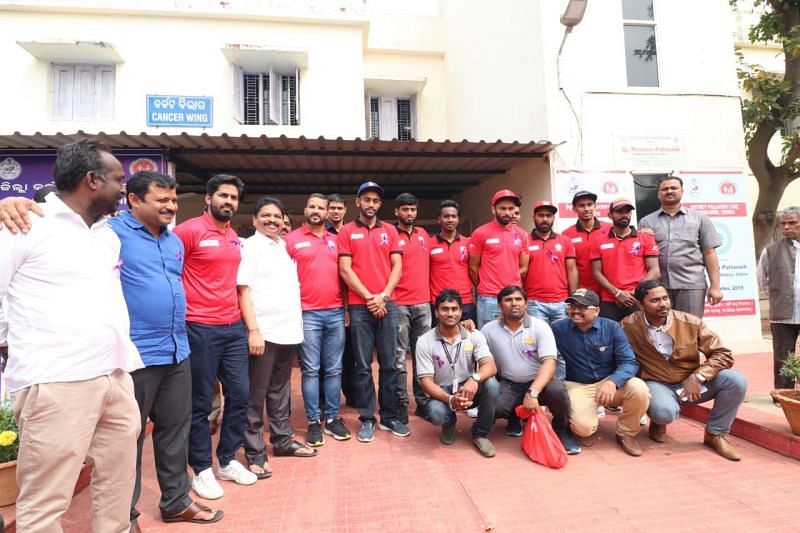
554,396
164,394
784,338
614,312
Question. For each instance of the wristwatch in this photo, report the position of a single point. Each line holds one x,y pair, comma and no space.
533,393
477,377
700,377
385,297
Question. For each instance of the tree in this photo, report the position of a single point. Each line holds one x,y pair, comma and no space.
773,105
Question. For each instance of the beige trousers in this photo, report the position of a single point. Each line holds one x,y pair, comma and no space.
60,426
634,397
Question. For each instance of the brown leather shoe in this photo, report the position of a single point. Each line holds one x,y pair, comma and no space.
721,445
629,445
658,432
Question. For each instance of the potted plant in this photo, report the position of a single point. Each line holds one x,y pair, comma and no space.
9,444
789,399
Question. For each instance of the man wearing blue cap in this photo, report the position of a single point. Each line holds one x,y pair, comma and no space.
370,263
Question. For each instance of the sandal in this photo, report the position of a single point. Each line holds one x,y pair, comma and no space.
266,471
295,449
190,515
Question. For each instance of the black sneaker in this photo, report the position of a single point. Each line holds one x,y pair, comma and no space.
514,427
571,443
396,427
314,435
335,428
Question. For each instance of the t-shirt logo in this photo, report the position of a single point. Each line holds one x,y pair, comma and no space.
331,245
422,243
517,241
384,239
439,360
558,247
462,250
636,249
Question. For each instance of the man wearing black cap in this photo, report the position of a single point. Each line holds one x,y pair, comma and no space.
370,263
621,258
583,205
593,348
497,254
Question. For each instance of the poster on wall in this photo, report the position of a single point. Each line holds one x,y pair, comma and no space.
606,184
23,172
722,195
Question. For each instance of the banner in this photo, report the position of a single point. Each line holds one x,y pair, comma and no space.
607,185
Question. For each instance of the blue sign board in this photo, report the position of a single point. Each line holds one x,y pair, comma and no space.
183,111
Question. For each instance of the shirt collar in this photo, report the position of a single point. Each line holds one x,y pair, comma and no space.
210,225
56,206
463,333
612,235
535,236
526,323
132,222
441,239
665,327
507,227
596,225
593,326
267,240
414,229
307,230
682,210
362,225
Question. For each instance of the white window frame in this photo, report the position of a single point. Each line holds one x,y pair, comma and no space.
277,114
67,77
387,116
648,23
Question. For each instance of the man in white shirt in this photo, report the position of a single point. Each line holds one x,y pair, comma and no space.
69,347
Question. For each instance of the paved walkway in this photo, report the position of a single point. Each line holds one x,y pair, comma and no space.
417,484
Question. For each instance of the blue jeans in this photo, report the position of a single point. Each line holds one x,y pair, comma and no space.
440,414
727,390
368,332
487,309
218,352
323,345
550,312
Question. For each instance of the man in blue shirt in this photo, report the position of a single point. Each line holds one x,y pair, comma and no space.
151,261
601,370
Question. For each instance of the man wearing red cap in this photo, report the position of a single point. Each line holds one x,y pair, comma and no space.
621,259
583,205
497,254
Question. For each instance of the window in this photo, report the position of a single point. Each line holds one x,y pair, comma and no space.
266,98
83,92
640,43
391,118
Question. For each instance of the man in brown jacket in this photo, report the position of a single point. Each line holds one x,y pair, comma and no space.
668,344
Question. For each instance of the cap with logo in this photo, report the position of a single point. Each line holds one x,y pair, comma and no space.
542,204
583,194
506,194
369,186
585,297
619,202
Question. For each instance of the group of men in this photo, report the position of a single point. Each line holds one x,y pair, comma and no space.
93,301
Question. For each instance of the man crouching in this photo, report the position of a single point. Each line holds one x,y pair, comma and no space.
457,371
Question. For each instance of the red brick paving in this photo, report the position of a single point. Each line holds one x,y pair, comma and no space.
417,484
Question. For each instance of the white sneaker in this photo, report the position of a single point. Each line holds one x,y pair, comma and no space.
644,420
206,485
473,412
237,473
601,411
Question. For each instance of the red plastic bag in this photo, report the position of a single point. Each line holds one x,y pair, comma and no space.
539,441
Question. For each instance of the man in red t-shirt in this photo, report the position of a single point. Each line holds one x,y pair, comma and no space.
316,255
217,336
449,260
584,204
370,263
412,292
621,259
497,254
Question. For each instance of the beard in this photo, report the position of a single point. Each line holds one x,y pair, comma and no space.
217,213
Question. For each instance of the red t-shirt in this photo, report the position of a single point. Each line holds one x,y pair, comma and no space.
317,260
450,267
369,250
413,287
500,248
580,239
623,260
210,266
546,280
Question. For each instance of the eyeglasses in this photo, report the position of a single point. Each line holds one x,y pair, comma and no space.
580,308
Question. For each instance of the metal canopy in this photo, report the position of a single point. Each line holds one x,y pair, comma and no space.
284,165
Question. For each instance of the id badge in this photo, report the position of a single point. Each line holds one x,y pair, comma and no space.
455,384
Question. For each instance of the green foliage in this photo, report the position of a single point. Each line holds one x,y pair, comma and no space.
9,434
791,367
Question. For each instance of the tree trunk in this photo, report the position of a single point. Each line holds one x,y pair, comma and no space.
770,192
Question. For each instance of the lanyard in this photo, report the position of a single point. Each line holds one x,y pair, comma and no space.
452,361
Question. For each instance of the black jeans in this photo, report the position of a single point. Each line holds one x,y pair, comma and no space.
554,396
613,312
784,337
164,394
218,352
367,333
440,414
